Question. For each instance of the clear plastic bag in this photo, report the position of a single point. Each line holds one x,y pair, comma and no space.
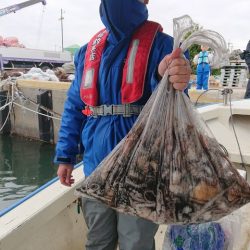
169,168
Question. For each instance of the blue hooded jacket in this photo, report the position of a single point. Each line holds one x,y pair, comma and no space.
100,135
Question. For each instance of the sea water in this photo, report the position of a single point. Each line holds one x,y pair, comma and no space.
25,165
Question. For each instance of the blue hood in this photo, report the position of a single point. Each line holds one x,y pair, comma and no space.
122,17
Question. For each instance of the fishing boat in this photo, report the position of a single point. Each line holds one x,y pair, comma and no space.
50,218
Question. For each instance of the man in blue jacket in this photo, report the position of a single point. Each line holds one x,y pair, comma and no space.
103,103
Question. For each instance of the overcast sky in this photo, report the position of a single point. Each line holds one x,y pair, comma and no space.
39,27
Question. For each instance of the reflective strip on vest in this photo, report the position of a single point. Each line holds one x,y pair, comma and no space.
134,71
131,61
89,92
203,57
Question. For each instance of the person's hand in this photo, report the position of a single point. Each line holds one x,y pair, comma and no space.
64,173
179,69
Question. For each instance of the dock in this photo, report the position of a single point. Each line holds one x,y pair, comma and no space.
37,106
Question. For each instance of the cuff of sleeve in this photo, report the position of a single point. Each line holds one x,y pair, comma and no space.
66,160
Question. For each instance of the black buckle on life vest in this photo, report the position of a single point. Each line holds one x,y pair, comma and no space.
107,110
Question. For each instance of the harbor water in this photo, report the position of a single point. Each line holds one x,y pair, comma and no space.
25,165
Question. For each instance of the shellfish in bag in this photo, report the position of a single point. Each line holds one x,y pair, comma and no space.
169,168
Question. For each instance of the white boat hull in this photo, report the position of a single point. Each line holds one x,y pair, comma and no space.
49,220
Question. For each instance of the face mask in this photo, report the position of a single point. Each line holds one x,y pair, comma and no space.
122,17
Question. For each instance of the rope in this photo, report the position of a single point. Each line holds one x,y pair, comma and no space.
35,103
235,134
36,112
5,120
17,93
3,107
196,102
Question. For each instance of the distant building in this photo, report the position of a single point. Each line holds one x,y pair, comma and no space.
23,58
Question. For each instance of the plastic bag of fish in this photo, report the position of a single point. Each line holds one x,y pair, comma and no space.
169,168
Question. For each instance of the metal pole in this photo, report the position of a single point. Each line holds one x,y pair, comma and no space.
227,92
61,19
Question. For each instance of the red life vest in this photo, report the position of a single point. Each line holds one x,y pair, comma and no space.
135,68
